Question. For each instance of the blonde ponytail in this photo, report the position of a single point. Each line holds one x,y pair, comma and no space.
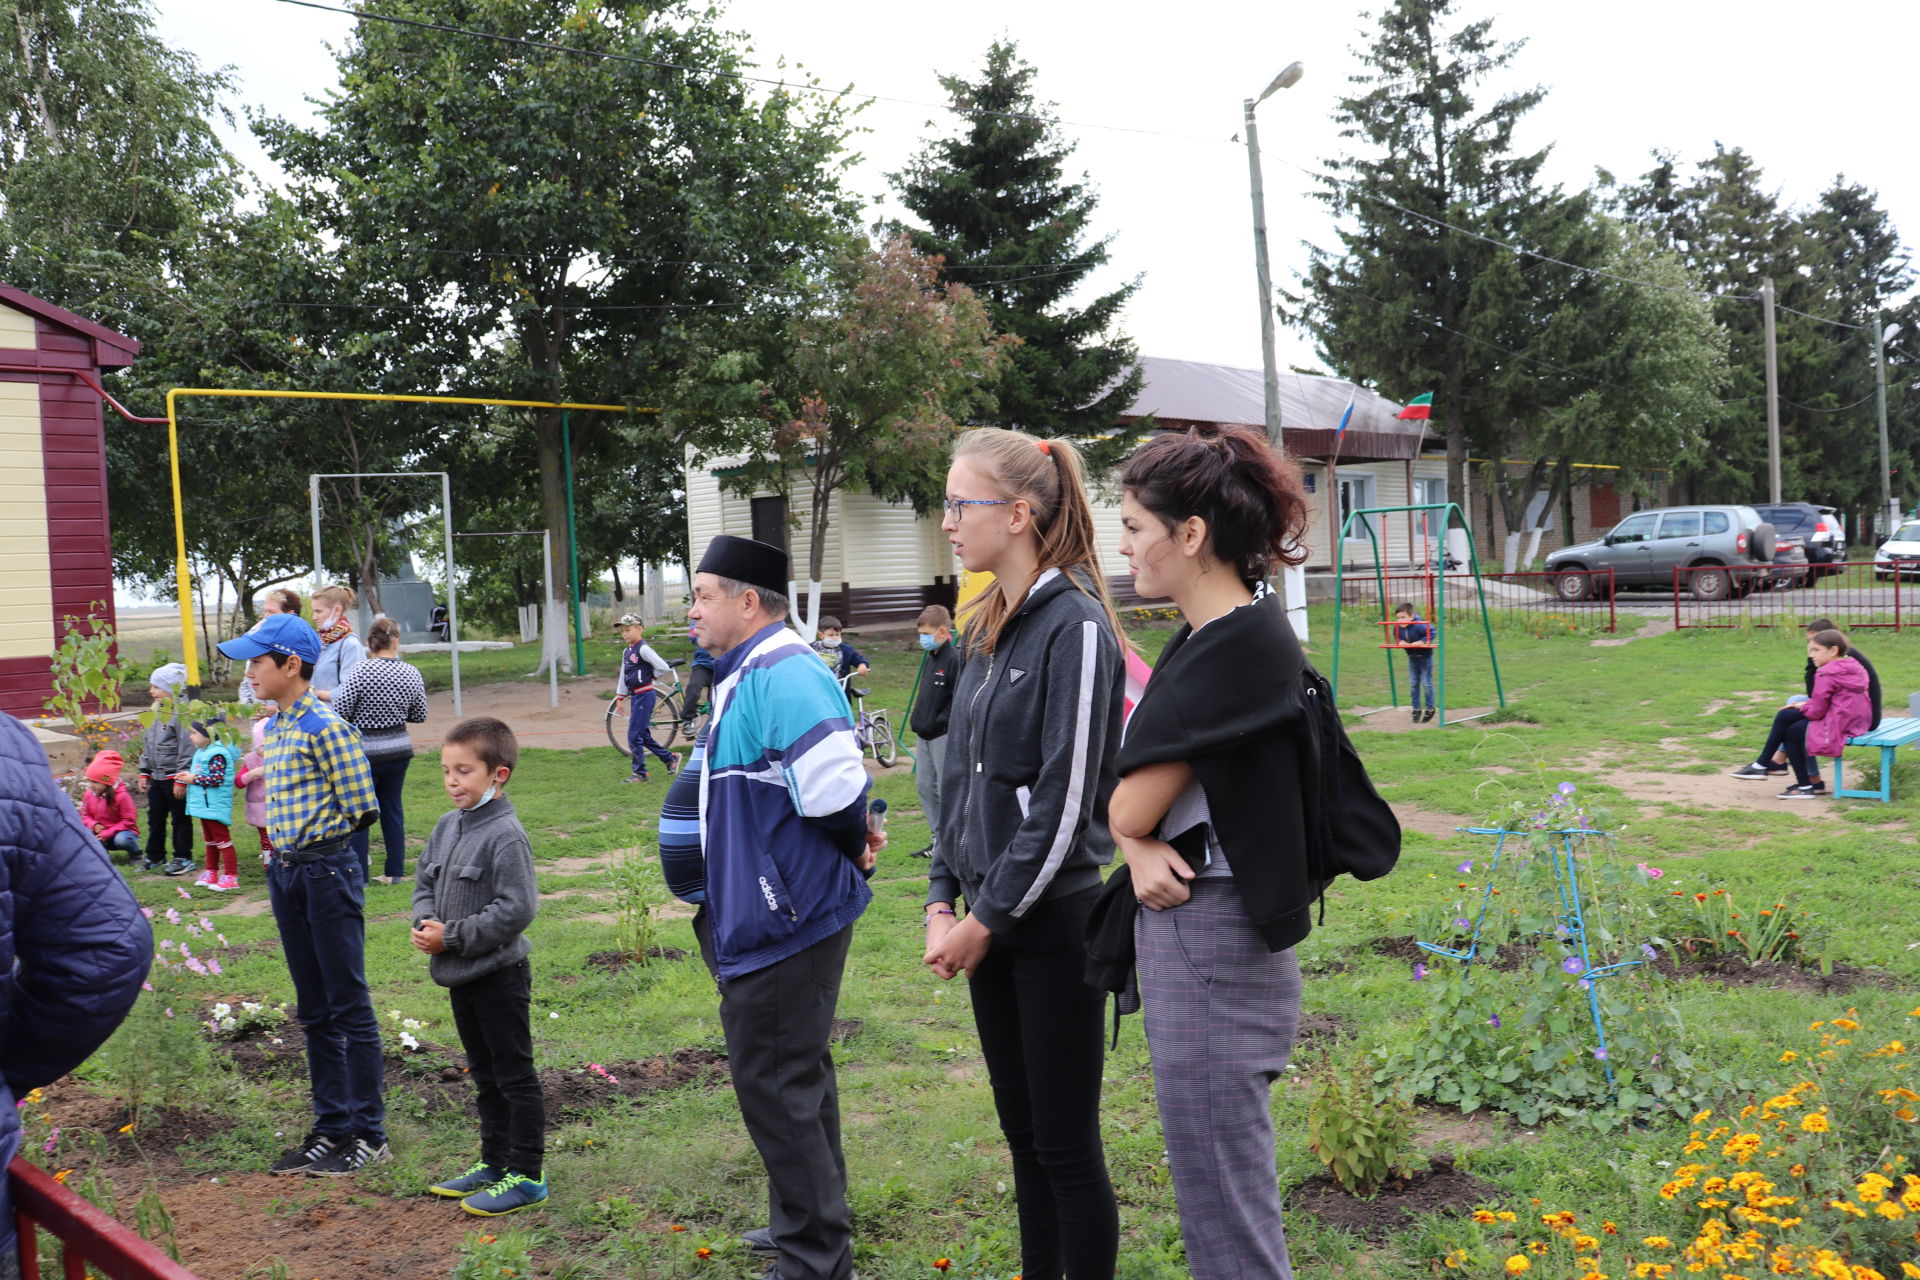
1049,476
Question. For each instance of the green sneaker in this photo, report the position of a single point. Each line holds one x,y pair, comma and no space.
514,1192
481,1176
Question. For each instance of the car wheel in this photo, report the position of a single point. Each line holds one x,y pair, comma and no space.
1573,587
1763,542
1711,585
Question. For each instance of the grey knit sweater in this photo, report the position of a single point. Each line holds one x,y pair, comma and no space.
476,877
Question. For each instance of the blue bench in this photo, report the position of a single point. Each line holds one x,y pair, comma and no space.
1891,735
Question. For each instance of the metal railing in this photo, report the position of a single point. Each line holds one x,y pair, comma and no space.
1853,595
89,1238
1573,601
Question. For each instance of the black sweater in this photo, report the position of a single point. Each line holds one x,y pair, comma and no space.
1223,700
935,703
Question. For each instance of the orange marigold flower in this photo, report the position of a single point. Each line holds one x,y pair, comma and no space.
1537,1246
676,1227
703,1252
1816,1122
941,1264
1485,1217
1518,1265
1609,1228
1657,1242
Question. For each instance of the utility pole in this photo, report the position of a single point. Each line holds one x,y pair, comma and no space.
1889,512
1773,394
1293,580
1269,361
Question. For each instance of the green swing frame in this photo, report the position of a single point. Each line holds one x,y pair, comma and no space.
1448,511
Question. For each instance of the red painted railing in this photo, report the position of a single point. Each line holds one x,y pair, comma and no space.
88,1238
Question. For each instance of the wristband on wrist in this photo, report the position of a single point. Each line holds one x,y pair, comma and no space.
937,911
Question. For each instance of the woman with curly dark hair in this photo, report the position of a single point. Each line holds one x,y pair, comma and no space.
1209,815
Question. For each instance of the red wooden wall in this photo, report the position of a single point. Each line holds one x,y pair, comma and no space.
73,454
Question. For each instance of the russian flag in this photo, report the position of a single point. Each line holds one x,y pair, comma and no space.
1347,416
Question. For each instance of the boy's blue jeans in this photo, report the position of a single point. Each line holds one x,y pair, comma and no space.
1419,677
127,842
640,740
319,907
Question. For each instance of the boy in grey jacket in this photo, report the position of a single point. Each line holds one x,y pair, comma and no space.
474,896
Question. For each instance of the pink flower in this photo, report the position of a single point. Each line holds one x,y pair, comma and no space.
181,890
173,916
1652,873
213,967
147,912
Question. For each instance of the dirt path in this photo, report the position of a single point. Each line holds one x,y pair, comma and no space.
577,724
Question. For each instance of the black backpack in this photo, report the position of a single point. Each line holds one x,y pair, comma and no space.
1351,830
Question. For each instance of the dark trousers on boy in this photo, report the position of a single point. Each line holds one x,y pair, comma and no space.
640,739
494,1016
778,1023
164,809
1420,678
699,681
319,906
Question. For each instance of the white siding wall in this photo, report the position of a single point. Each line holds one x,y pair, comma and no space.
705,513
887,542
26,569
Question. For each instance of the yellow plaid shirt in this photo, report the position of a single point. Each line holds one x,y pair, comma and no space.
318,784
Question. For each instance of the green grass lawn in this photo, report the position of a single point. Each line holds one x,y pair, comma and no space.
929,1174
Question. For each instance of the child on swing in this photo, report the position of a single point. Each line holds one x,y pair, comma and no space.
1411,629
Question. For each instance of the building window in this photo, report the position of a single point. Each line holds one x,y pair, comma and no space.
1357,493
770,521
1429,491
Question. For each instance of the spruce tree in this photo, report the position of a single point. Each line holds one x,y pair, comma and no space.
1418,298
994,202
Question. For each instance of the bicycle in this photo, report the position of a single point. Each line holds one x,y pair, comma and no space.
872,730
665,721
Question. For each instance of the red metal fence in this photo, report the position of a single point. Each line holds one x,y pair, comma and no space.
1851,595
91,1242
1579,600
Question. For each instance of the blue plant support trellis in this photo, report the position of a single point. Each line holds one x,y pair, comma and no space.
1572,917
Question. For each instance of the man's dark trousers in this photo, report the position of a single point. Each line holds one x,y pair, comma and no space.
778,1021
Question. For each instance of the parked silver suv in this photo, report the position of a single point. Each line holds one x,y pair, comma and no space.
1726,544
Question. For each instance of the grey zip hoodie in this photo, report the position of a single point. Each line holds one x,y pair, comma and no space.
1029,768
166,749
476,877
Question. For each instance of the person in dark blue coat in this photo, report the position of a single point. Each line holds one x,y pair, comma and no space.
74,947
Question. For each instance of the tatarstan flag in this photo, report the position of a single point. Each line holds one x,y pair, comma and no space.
1418,409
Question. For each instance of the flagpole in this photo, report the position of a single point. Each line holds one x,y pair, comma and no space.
1333,480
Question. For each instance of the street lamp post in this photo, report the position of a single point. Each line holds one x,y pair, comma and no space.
1286,79
1293,580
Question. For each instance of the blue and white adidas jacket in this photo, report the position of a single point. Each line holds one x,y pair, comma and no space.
782,805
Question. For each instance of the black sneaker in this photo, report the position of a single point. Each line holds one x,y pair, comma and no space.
1753,770
314,1146
923,853
349,1158
759,1242
1804,791
178,867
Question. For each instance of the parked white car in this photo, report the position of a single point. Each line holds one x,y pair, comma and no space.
1900,554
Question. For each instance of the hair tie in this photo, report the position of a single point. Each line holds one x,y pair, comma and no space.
1046,447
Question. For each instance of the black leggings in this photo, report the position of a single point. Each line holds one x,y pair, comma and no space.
1042,1031
164,810
1789,734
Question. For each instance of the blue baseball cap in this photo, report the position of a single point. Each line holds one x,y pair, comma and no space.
281,633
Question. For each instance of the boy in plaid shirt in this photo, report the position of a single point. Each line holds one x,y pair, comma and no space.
319,793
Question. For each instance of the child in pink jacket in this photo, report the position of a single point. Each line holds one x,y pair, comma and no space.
1838,709
253,777
107,809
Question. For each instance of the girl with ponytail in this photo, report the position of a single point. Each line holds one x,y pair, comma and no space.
1210,813
1029,768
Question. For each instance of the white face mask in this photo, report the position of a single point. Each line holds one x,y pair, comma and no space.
486,797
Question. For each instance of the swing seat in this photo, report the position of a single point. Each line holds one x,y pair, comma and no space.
1398,645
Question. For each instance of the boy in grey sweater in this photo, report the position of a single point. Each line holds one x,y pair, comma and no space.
474,896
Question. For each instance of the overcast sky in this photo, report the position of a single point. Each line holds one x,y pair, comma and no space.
1810,90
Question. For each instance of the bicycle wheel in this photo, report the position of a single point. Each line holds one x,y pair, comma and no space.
617,725
885,749
666,720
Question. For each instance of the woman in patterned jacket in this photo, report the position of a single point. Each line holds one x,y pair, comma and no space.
380,698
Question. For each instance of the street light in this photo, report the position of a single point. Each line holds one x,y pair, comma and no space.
1289,77
1293,586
